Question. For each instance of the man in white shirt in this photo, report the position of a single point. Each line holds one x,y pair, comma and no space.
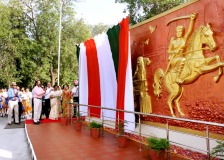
75,93
47,106
13,104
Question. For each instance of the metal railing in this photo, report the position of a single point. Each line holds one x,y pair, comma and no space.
140,134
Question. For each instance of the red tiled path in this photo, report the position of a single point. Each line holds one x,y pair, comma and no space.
52,141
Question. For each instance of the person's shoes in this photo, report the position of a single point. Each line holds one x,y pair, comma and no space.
40,122
17,123
36,123
9,123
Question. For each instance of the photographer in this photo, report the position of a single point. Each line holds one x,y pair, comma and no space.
75,94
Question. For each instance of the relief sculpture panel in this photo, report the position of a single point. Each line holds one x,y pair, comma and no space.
141,85
186,73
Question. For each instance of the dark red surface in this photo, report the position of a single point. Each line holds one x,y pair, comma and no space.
52,141
203,99
30,121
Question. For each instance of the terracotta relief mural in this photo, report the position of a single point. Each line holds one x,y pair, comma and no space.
185,48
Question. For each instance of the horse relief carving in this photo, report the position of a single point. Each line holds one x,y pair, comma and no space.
187,62
141,85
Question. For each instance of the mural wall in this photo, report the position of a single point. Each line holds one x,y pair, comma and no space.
185,47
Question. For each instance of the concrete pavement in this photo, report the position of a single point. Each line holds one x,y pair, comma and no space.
13,143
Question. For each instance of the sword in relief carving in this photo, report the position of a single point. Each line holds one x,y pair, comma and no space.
178,18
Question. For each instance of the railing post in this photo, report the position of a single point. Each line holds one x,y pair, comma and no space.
207,142
140,133
77,107
89,114
167,137
69,110
102,123
118,120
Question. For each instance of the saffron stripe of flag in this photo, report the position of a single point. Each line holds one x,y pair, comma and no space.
122,66
94,95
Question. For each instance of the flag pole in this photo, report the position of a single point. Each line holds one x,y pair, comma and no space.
59,42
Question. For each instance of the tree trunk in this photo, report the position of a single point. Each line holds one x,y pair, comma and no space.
53,76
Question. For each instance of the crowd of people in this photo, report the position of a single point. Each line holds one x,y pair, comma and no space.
48,101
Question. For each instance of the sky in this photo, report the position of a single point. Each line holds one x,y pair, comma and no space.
100,11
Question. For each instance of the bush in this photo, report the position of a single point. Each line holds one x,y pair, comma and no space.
94,124
218,151
158,143
78,116
121,126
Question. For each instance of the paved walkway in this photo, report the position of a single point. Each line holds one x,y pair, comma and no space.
52,141
65,143
13,143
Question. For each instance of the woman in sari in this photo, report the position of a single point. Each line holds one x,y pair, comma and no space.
2,113
55,96
29,101
66,97
5,101
26,104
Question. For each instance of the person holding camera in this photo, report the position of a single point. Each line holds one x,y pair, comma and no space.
38,93
47,106
75,94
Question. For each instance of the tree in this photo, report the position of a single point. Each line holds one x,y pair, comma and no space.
12,34
98,29
140,10
29,41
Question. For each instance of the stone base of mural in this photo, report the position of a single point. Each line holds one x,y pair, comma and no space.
182,125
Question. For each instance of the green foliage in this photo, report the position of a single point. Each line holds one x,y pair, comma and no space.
95,124
98,29
158,143
29,41
78,116
218,151
121,126
12,33
140,10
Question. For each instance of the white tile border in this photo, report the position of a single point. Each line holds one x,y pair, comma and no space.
30,144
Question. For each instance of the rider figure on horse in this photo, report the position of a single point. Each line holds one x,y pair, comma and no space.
176,49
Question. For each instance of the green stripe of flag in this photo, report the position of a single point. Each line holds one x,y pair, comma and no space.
113,37
77,52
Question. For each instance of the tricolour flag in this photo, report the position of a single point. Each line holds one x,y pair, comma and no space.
105,74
